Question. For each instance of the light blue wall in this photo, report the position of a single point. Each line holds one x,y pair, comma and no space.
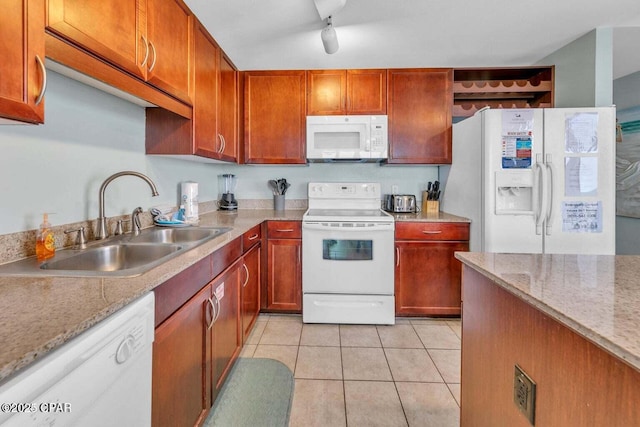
89,135
584,70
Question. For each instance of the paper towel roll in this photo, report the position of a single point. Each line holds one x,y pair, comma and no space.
190,200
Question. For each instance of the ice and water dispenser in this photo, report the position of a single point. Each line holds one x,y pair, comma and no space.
514,192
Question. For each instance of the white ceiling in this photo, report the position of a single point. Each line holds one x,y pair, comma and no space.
285,34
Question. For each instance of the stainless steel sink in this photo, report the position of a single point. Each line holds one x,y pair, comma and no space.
120,256
113,258
178,235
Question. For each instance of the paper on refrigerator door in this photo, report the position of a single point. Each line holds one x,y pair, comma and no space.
580,176
582,217
581,133
517,139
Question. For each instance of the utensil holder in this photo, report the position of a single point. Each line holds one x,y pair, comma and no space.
278,202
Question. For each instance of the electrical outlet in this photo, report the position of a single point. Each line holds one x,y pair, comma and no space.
524,394
394,189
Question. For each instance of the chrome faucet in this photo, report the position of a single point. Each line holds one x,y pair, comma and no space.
101,229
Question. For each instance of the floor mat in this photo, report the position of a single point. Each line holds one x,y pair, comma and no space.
258,392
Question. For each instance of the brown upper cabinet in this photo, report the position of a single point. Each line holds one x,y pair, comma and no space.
274,117
212,134
215,108
420,104
22,83
150,39
346,92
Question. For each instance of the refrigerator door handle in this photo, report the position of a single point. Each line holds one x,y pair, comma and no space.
547,220
540,190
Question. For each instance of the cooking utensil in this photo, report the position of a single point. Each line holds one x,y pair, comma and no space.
273,185
279,187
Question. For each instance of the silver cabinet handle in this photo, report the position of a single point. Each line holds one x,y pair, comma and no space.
431,232
286,230
215,319
213,315
219,149
155,56
254,237
224,143
146,54
246,270
397,256
43,89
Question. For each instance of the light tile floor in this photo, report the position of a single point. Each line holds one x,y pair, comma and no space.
407,374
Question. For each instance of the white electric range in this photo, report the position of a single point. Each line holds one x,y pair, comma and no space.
347,255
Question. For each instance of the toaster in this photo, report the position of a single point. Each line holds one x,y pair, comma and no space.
399,203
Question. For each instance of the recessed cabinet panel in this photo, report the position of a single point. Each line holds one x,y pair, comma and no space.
114,30
275,117
355,92
22,52
419,107
170,36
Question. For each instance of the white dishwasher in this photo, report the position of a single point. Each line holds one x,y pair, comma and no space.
102,377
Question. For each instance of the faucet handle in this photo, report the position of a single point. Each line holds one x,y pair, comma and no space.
119,227
81,238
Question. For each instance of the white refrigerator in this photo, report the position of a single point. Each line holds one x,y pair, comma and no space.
535,180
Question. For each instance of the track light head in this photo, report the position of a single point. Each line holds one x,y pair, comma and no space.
329,38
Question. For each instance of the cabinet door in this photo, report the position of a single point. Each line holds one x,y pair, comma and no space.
250,291
326,92
22,53
357,92
227,340
113,30
275,117
284,282
180,365
428,277
228,109
170,36
366,92
205,134
419,106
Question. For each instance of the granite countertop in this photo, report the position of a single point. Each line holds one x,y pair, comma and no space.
38,314
424,217
596,296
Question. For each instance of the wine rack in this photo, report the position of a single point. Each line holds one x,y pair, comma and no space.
522,87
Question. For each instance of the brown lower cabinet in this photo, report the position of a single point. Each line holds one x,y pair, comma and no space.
250,287
427,276
578,383
196,345
284,267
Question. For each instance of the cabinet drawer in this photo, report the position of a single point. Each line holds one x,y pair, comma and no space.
432,231
251,237
284,229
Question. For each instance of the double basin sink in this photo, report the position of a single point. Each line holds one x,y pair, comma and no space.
121,256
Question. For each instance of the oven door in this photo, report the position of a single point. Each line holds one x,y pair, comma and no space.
348,258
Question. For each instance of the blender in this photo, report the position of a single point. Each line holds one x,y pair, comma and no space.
228,201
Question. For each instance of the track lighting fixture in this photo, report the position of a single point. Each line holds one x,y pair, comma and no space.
329,38
326,9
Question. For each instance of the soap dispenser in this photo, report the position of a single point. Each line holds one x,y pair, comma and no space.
45,240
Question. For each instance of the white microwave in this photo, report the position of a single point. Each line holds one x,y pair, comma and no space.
347,138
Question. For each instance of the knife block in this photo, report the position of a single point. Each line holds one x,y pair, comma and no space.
430,207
